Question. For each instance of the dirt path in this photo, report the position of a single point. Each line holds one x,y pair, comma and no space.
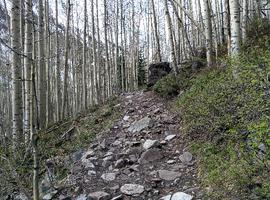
141,157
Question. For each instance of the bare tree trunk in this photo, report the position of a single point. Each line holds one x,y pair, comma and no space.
245,19
65,94
235,27
57,70
95,70
156,31
17,103
42,67
28,67
107,76
84,85
208,33
169,22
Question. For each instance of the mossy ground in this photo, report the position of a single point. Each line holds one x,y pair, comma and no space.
226,120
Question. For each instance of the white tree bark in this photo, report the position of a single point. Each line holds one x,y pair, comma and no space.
208,32
17,103
41,65
235,27
27,66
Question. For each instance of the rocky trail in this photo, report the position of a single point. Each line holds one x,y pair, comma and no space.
142,157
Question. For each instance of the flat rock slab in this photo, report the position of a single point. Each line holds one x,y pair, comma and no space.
168,175
132,189
170,137
108,177
150,155
186,157
99,196
139,125
178,196
148,144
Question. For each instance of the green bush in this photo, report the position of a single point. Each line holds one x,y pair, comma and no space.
226,120
171,85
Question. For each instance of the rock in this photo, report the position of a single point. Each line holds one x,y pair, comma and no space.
170,137
116,143
77,155
197,64
99,196
62,197
120,163
170,162
91,173
150,144
178,196
82,197
89,165
139,125
262,147
168,175
132,189
157,71
20,196
108,177
50,195
118,197
126,118
87,155
186,157
150,156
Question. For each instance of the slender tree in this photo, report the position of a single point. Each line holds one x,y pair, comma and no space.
17,102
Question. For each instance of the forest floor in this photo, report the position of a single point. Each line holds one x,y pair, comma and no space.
143,156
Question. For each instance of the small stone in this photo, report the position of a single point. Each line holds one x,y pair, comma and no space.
62,197
118,197
148,144
82,197
91,173
116,143
150,156
170,162
108,177
99,196
126,118
262,147
115,188
178,196
50,195
120,163
132,189
186,157
170,137
168,175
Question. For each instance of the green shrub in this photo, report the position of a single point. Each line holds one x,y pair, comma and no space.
171,85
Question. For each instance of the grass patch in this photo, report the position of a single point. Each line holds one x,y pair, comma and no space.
227,121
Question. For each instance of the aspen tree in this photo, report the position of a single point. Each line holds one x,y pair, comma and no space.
41,65
17,103
169,23
28,66
94,49
57,70
84,83
235,27
155,26
208,33
65,86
